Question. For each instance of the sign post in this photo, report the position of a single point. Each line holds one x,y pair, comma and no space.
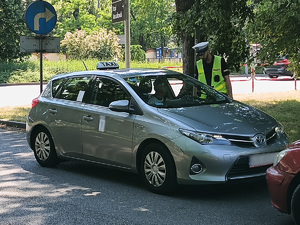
40,18
127,34
118,8
120,13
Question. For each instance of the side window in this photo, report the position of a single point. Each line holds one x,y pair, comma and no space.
106,91
47,91
56,86
74,88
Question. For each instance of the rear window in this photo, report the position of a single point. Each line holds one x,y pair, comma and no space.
70,88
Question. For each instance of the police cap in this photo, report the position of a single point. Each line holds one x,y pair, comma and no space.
201,47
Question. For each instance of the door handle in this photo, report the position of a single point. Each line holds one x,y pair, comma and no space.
53,111
88,118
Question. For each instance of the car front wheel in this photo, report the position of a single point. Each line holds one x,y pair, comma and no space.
44,150
295,205
158,169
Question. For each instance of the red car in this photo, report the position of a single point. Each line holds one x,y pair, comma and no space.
283,180
279,68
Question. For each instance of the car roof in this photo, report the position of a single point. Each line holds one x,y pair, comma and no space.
123,73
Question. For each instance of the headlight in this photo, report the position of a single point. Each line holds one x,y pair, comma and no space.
204,138
280,155
279,130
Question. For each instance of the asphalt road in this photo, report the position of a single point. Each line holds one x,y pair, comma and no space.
77,193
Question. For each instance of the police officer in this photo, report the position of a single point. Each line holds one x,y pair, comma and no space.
212,70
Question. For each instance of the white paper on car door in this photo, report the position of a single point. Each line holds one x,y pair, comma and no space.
102,124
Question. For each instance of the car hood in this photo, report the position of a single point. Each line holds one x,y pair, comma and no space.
229,118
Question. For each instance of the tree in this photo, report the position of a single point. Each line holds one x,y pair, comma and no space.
12,26
150,22
276,27
184,27
75,15
220,22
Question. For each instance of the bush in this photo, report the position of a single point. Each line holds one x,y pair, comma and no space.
137,53
101,44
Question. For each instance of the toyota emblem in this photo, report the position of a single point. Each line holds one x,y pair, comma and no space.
259,140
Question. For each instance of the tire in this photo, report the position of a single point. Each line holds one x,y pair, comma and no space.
43,148
295,205
158,169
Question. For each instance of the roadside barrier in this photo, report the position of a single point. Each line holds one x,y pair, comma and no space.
251,78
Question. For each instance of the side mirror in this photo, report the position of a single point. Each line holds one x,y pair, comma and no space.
119,106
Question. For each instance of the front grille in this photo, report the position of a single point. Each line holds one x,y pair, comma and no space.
242,170
246,142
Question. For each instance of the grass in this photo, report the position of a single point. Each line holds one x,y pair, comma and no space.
284,107
18,114
29,71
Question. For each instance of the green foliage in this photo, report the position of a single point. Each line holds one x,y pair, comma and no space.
88,15
9,69
150,22
276,27
12,26
100,44
220,22
137,53
73,15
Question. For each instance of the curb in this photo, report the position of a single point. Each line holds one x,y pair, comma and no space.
16,124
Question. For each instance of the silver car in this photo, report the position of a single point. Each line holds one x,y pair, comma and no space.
164,125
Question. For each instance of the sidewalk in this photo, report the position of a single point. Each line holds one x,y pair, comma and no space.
246,86
18,95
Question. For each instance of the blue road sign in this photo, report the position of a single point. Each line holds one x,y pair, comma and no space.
40,17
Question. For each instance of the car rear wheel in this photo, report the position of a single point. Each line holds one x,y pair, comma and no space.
295,205
158,169
44,150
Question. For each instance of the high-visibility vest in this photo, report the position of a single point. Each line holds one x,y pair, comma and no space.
217,80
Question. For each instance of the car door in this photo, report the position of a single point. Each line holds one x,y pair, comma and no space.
65,114
107,135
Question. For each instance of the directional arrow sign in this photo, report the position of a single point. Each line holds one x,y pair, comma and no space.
40,17
48,15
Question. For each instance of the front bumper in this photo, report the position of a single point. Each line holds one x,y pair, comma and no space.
220,163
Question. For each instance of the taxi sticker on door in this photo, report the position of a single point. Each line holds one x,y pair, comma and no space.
102,124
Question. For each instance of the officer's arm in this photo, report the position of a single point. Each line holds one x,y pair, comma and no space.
228,86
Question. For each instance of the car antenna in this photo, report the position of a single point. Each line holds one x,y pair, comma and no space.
84,64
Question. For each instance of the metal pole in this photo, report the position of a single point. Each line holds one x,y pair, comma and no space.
127,34
41,65
253,76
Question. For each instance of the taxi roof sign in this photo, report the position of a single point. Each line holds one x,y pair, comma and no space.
107,65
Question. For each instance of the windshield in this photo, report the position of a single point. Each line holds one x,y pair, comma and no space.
174,91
